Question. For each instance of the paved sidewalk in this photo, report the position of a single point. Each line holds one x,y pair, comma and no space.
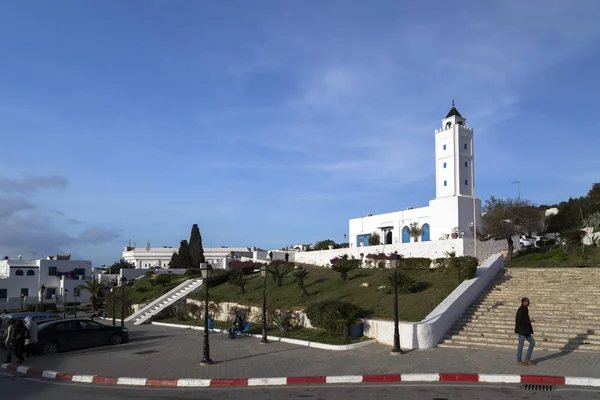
172,353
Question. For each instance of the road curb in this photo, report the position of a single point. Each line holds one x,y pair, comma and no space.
307,380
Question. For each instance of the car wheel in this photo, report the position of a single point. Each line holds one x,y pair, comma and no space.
116,339
49,348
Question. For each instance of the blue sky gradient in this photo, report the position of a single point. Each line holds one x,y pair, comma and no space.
271,123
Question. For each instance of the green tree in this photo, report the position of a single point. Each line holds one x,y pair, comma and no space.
183,259
117,265
324,245
344,265
95,289
301,273
239,279
374,239
504,219
415,231
196,250
279,269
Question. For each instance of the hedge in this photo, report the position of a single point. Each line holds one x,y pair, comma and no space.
333,316
462,268
415,263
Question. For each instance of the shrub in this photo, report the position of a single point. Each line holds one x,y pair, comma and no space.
462,268
238,278
440,263
415,263
162,279
333,316
47,307
219,277
344,265
282,319
247,267
193,272
279,270
406,284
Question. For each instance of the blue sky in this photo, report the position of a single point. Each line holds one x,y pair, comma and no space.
271,123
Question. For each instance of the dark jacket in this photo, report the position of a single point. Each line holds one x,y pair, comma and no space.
522,322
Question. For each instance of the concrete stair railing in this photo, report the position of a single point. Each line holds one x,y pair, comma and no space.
179,292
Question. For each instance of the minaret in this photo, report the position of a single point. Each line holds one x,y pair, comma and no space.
454,169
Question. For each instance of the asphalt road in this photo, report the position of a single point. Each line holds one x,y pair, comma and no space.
25,388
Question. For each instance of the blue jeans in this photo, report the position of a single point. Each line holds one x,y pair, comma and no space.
522,339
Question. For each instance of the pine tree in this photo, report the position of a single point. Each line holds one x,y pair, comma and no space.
183,258
196,250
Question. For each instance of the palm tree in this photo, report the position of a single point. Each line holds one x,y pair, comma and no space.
415,231
95,289
300,274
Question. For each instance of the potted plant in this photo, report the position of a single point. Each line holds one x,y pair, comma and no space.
455,232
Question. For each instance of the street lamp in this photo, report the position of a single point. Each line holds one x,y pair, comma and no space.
42,291
206,270
65,291
22,299
113,287
396,350
123,282
75,295
263,273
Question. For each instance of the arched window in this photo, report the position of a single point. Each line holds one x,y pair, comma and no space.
30,272
425,233
405,235
448,125
19,272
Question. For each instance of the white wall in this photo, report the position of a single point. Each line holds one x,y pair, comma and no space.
134,273
432,249
427,333
397,220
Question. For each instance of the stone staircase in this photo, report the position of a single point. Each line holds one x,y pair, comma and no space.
165,301
564,305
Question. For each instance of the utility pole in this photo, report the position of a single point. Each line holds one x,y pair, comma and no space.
519,189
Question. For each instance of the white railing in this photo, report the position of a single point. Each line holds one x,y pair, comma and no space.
161,298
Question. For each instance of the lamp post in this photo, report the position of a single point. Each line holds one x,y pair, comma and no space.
206,270
123,282
75,295
113,287
42,291
396,350
263,274
22,299
65,291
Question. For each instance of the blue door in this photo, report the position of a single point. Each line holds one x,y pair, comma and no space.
405,235
425,233
363,239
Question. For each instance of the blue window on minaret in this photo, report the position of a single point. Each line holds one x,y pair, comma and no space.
465,146
444,165
444,147
445,183
465,164
466,182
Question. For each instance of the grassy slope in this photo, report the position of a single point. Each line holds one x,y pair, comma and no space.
144,291
323,283
551,258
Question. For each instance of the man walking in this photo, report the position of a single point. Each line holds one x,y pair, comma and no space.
525,331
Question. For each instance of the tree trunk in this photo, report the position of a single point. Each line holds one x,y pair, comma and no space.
242,288
511,248
346,331
279,281
344,276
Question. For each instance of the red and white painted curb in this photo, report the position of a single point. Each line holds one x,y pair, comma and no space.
308,380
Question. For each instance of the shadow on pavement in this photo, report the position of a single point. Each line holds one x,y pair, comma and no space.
136,339
260,354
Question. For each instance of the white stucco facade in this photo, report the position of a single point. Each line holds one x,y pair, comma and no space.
152,257
28,276
453,212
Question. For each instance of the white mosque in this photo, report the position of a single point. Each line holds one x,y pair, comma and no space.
454,212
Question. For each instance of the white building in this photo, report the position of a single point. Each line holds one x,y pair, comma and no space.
55,273
452,213
159,257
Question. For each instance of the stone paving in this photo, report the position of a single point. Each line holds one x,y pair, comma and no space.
163,352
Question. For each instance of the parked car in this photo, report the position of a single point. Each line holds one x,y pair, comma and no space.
71,334
37,317
526,241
